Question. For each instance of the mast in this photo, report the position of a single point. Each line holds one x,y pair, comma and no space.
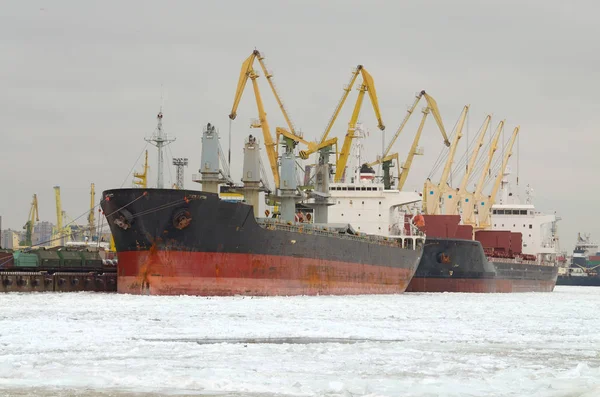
160,140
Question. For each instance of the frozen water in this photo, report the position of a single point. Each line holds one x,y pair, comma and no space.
91,344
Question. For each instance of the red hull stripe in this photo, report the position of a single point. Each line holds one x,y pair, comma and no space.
203,273
433,284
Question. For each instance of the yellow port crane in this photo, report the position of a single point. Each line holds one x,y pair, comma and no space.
141,178
469,200
91,215
295,139
453,197
484,206
59,232
367,85
432,193
248,72
31,219
387,158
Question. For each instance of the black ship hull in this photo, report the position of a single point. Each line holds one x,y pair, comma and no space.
457,265
582,281
190,242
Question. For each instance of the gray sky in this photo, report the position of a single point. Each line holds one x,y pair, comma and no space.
81,86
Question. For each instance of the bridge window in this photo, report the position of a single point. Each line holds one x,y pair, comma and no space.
523,212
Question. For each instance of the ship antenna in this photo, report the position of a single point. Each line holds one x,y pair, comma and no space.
160,140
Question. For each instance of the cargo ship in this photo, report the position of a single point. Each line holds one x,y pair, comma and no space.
585,262
57,269
518,253
188,242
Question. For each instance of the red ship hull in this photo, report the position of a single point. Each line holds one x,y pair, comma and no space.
161,272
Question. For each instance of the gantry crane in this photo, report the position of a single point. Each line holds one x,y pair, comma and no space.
431,192
452,197
141,178
469,200
387,158
246,72
31,219
484,206
368,85
91,215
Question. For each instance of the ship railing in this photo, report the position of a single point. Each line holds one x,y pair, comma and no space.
523,261
324,231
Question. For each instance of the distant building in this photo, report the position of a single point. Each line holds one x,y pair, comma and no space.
42,234
10,239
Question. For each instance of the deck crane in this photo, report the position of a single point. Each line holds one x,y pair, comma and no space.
485,204
433,193
368,85
387,158
451,201
31,219
246,72
91,215
470,200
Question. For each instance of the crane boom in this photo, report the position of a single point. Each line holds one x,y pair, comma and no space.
470,200
451,202
340,104
247,72
264,125
507,155
386,158
486,169
413,151
478,145
91,216
485,212
243,79
409,113
432,193
269,77
432,104
31,219
59,217
368,85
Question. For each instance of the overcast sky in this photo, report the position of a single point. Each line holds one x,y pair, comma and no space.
81,86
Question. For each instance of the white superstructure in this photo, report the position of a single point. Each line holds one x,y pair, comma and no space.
369,207
539,230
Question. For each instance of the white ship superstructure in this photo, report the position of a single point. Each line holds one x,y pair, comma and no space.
539,230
